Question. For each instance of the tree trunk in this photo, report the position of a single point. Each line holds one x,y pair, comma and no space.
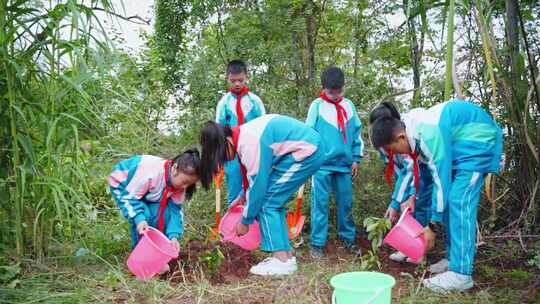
415,53
296,63
312,15
513,42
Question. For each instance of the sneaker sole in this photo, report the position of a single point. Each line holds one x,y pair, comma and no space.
397,260
412,262
439,289
438,270
269,274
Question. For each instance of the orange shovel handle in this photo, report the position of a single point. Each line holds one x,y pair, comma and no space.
218,219
299,202
218,178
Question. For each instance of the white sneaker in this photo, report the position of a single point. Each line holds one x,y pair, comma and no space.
398,256
448,281
292,260
439,267
165,269
273,267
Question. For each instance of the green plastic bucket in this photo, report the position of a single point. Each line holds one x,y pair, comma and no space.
362,288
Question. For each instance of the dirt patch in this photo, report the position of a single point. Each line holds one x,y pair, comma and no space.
219,263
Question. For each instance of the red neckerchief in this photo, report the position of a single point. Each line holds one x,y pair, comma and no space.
341,113
239,112
416,172
389,167
164,198
236,135
416,175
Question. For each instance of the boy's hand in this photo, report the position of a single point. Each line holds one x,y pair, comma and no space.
409,203
430,237
241,229
354,170
392,214
403,206
176,245
142,227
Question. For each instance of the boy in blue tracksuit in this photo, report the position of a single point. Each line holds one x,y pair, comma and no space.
404,189
336,119
460,143
235,108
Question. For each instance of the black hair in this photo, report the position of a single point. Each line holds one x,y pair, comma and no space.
384,130
332,78
188,162
214,150
236,67
384,109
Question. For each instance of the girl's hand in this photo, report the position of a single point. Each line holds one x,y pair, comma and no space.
430,237
176,245
392,214
142,227
240,200
354,170
241,229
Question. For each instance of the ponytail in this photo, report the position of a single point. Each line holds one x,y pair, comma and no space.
384,109
214,150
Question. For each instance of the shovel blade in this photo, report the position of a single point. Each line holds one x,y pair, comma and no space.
214,233
295,225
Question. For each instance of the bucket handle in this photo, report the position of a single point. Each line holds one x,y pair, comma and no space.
407,209
376,295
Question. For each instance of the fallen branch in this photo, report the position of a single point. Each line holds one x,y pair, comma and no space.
512,236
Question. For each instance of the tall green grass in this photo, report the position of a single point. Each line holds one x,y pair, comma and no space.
45,48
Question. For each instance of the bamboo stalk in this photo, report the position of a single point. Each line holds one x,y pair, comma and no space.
15,156
449,50
487,51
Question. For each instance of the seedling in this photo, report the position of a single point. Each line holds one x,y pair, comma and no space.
376,229
213,260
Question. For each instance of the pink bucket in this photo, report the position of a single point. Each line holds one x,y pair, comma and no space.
152,253
407,237
227,228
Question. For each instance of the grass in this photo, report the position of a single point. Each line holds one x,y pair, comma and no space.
503,273
93,279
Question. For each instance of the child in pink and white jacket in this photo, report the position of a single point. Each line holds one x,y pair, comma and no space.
150,191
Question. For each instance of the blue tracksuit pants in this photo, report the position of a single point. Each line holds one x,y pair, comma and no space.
323,184
285,179
460,220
